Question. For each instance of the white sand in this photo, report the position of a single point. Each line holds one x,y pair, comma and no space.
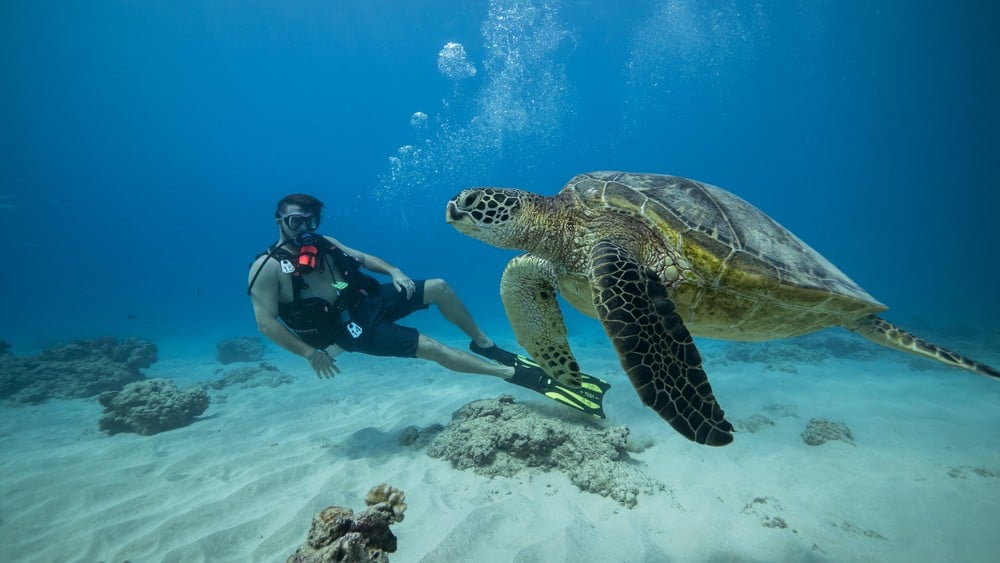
243,483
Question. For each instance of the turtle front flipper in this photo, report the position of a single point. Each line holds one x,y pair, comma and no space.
528,292
655,348
881,331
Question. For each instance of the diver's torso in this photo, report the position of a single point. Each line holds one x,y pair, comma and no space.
318,283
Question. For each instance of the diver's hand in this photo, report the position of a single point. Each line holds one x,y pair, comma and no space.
403,283
323,364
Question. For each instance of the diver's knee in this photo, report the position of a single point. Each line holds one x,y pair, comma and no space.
437,290
428,348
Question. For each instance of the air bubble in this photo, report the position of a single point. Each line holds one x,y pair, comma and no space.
454,63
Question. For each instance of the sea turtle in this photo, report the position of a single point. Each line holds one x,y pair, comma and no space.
658,259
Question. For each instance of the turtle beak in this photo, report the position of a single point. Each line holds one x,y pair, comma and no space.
452,214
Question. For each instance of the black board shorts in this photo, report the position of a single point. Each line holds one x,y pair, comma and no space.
377,316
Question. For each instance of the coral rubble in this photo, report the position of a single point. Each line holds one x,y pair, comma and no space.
262,374
337,535
419,437
242,349
754,423
498,437
82,368
151,406
819,430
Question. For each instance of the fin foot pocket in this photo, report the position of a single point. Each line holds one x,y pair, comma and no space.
495,353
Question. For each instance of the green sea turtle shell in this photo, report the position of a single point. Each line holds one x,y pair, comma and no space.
743,276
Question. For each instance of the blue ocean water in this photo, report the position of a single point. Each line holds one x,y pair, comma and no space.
146,143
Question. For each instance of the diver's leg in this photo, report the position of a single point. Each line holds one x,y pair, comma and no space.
438,292
458,360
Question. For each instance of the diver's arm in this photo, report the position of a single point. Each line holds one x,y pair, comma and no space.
373,263
378,265
264,297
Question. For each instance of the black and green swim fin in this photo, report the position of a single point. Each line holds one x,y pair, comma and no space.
588,397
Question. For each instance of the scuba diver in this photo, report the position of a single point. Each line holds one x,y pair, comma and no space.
310,296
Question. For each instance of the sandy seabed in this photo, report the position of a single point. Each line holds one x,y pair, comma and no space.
921,482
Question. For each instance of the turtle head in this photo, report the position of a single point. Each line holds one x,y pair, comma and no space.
492,215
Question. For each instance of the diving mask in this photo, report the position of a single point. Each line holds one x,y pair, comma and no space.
294,221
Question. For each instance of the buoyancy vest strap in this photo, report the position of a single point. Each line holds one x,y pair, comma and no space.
342,260
270,254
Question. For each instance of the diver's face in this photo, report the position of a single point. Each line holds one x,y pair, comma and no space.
296,221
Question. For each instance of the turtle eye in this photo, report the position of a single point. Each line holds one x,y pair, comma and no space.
470,199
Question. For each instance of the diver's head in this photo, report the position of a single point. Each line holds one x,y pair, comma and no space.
297,214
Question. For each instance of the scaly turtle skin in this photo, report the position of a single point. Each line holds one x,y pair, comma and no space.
658,259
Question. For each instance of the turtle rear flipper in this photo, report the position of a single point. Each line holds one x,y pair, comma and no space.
881,331
655,348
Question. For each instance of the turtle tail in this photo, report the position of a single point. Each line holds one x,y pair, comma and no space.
883,332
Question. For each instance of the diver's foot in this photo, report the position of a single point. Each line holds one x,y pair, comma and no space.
530,376
496,353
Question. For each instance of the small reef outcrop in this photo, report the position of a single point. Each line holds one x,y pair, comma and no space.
248,377
242,349
338,536
499,437
79,369
417,437
820,430
151,406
